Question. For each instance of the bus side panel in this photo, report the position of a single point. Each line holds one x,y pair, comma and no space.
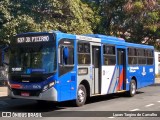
67,86
87,77
150,75
112,79
133,71
109,79
127,80
146,75
116,83
121,77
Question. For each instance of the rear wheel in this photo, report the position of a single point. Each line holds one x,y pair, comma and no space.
81,96
132,90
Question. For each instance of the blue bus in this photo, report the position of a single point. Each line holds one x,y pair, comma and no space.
56,66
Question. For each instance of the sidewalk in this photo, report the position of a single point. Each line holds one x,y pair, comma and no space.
3,91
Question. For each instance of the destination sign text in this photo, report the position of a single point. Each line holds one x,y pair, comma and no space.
32,39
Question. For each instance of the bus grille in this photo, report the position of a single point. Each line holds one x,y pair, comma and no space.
31,92
29,79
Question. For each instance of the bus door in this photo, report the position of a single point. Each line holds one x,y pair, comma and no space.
121,64
96,65
67,70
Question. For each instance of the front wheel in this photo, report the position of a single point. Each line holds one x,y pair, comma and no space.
132,90
81,96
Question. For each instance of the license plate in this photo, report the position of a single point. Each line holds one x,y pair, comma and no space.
26,94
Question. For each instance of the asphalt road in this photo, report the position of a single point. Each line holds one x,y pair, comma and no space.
146,99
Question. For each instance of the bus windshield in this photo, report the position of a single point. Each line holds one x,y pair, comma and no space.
33,59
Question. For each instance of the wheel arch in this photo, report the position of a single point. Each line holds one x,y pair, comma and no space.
87,86
135,79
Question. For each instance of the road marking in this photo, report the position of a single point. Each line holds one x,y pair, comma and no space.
135,109
158,101
111,117
149,105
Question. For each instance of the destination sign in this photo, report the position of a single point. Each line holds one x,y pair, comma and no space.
33,39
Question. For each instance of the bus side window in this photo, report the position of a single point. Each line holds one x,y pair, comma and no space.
132,56
150,57
109,55
83,51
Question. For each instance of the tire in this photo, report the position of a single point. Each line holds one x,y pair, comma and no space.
81,96
132,88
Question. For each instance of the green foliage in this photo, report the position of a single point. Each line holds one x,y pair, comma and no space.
17,16
144,23
134,20
138,5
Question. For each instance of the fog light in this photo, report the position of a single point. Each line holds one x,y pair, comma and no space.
45,88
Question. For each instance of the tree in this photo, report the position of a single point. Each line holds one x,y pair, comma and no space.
71,16
134,20
112,16
143,21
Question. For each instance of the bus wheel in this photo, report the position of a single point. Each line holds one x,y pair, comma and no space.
81,95
132,90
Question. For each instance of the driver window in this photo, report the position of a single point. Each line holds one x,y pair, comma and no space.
66,55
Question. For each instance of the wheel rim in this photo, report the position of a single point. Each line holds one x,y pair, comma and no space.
133,88
81,96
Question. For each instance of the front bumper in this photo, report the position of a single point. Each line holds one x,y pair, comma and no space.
49,95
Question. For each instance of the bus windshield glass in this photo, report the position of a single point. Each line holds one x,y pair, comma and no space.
36,58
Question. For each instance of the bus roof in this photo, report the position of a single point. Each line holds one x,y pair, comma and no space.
118,41
103,39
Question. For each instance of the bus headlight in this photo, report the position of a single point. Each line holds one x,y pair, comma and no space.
46,87
51,84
